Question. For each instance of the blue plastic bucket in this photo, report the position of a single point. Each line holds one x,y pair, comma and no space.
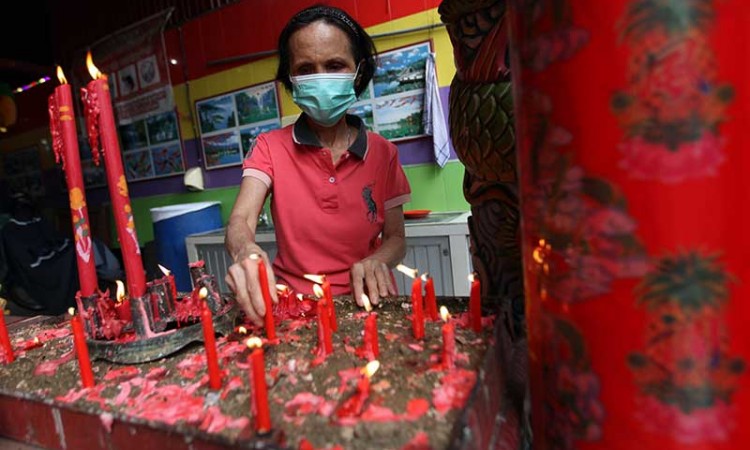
172,224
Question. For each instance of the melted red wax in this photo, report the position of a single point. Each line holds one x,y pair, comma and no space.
192,365
50,367
188,309
416,408
463,320
122,374
103,307
420,441
54,333
290,307
390,337
306,403
454,389
232,384
157,373
304,444
215,421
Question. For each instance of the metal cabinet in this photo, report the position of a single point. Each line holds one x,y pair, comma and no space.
438,246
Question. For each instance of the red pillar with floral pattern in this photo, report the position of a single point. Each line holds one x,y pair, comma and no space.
632,161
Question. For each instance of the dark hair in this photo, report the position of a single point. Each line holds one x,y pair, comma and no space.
363,49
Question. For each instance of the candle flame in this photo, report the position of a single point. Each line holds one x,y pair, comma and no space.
282,288
36,339
72,311
61,76
444,314
408,271
254,256
254,342
203,293
371,367
242,330
318,291
315,278
472,277
425,276
93,71
300,297
366,303
164,270
120,290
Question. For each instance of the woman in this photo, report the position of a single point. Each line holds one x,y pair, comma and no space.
337,190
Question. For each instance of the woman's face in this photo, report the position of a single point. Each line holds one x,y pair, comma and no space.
320,48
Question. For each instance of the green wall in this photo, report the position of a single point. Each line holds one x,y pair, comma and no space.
432,188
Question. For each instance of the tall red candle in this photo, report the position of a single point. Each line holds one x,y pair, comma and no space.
82,350
100,120
260,391
430,303
354,406
475,304
266,290
417,320
65,145
170,279
324,322
330,305
209,342
370,340
5,339
449,340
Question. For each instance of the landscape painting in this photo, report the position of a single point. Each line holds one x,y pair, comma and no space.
167,159
257,104
401,70
248,136
216,114
400,117
162,128
222,150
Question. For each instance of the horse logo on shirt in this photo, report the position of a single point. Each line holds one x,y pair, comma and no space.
372,207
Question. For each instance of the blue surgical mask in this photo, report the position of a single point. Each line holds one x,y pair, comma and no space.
325,97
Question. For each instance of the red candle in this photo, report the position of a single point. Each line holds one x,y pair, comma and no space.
417,306
449,340
82,351
32,344
475,304
209,342
325,343
100,120
5,339
260,392
371,343
266,290
330,305
122,304
430,304
170,279
355,405
65,145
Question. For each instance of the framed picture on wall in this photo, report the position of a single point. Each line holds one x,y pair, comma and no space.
151,147
393,102
230,123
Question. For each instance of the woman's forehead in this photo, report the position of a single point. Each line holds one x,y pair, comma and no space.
319,40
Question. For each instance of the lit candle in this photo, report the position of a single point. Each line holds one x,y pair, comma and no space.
430,304
266,290
475,304
34,343
370,341
417,320
449,340
209,342
82,350
5,339
122,304
331,306
65,145
170,279
260,392
100,120
355,405
325,343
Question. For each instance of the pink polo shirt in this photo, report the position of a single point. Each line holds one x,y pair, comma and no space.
326,217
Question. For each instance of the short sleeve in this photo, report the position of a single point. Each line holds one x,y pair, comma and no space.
397,188
259,164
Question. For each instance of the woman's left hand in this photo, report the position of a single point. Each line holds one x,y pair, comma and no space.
373,275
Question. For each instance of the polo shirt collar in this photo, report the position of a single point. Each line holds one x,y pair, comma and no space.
304,135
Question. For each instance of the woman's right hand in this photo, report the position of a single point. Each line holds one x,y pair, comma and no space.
242,278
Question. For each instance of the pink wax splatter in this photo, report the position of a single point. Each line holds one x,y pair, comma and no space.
454,390
49,368
420,441
122,374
